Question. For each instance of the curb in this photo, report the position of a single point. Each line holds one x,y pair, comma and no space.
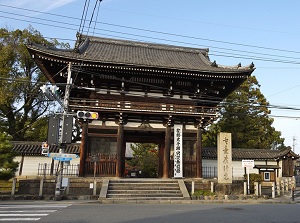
96,200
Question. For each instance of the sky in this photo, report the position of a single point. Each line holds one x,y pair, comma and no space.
263,32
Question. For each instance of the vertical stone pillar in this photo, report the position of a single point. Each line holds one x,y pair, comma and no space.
166,160
278,188
119,150
256,188
245,188
199,153
83,148
224,158
273,190
41,187
14,184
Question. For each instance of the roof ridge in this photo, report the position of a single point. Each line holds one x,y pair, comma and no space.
203,51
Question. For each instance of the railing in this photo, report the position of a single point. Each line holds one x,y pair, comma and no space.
144,107
210,172
45,169
105,165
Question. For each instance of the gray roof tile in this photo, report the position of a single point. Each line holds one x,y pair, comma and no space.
139,54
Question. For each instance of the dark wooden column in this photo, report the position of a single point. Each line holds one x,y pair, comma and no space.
120,153
160,159
199,152
123,157
166,159
83,148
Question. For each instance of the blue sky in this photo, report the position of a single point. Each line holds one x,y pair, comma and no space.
263,32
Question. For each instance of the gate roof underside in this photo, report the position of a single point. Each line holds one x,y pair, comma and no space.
156,80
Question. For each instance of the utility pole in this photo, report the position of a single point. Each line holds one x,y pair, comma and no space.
61,141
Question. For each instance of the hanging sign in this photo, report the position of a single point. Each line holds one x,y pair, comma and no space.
178,173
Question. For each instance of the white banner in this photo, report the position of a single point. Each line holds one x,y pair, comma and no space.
178,173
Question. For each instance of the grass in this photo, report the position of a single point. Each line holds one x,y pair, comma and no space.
203,193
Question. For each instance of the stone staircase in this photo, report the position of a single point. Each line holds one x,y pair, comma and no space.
144,189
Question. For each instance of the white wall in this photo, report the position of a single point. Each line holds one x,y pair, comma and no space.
30,165
237,169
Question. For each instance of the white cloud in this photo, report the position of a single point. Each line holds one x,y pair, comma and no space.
38,5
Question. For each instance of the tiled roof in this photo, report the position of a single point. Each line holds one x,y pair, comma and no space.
267,167
34,149
141,54
255,154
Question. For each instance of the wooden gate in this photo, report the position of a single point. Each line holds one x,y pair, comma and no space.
99,165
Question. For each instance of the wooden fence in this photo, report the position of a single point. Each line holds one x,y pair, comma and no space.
101,164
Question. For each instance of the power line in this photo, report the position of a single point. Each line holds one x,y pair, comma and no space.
161,39
160,32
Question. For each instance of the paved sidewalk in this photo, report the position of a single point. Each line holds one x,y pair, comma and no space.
286,199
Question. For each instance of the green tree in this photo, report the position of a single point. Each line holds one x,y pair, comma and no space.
245,114
8,167
21,103
145,158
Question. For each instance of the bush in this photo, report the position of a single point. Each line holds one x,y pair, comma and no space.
253,177
199,193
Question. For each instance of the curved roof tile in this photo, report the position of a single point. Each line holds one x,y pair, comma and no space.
140,54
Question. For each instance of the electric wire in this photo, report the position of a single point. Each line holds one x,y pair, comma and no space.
160,32
237,56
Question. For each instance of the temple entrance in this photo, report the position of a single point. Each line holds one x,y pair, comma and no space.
141,160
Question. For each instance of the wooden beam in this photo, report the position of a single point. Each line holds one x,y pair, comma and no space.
102,135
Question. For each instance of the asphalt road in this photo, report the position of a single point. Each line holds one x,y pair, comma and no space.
82,212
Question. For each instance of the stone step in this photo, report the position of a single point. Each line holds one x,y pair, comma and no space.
146,189
144,182
146,198
144,192
157,195
142,187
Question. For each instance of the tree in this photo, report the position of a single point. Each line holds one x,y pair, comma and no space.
145,158
21,103
8,167
245,114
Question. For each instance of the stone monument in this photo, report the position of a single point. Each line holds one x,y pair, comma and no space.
224,158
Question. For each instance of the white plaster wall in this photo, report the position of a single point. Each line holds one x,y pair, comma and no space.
237,169
30,165
210,163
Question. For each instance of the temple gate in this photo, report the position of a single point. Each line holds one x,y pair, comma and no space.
140,90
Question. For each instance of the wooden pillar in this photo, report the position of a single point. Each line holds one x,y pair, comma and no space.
199,153
119,150
160,159
166,159
83,148
123,156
